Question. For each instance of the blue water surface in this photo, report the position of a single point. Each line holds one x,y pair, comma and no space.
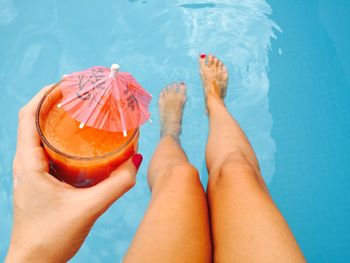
310,105
289,88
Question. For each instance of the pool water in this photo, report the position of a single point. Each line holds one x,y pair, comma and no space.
289,88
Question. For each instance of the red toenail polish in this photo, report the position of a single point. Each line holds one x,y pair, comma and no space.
203,56
137,160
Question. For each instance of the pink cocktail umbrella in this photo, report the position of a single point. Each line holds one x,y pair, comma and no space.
105,99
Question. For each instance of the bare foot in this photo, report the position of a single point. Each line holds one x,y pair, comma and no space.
214,76
171,103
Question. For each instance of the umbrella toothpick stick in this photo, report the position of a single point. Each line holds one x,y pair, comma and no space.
114,71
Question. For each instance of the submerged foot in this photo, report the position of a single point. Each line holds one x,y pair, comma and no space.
171,103
214,76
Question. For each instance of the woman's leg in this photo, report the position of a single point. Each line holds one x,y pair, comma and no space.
176,225
246,224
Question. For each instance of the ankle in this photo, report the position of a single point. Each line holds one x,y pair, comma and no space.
214,101
172,131
172,135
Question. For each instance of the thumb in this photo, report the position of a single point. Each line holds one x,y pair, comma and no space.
121,180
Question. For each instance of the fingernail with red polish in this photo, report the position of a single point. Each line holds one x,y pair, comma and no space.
203,55
137,160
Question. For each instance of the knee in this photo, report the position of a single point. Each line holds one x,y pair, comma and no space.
184,171
180,175
235,168
236,159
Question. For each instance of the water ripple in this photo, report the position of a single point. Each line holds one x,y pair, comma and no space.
240,33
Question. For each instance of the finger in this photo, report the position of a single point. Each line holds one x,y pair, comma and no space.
117,184
28,137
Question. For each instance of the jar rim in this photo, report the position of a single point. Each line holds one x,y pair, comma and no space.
51,147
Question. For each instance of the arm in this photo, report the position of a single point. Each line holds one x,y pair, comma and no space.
51,218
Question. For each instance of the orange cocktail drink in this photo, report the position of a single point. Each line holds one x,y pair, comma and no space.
84,156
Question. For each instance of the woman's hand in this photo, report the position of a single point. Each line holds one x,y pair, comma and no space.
51,218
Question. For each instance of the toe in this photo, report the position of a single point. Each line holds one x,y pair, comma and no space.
225,75
210,60
202,60
215,62
182,88
161,98
175,88
162,95
224,71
